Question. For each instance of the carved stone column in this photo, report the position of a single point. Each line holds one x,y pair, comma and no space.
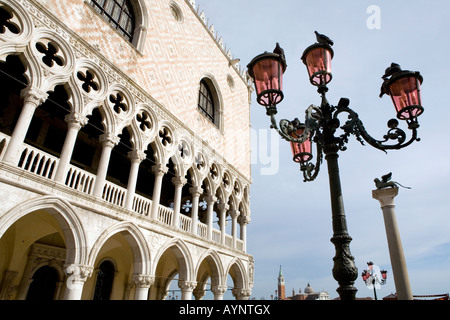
136,158
196,192
187,287
159,170
33,98
211,200
108,141
77,276
223,207
142,283
75,122
178,182
218,291
243,221
234,215
241,294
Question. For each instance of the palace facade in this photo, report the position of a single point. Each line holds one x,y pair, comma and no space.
124,152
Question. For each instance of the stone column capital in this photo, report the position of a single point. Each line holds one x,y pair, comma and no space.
76,119
143,280
159,169
33,95
385,196
109,139
187,285
196,191
179,181
136,155
78,272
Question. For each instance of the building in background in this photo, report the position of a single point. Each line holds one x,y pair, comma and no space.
308,293
124,152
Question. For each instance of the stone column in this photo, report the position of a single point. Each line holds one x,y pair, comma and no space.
32,99
108,141
142,283
136,158
218,291
78,274
178,182
241,294
401,279
187,287
244,220
159,171
223,207
234,215
211,200
196,192
75,122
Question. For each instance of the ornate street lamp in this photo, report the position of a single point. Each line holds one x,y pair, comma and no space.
321,123
371,277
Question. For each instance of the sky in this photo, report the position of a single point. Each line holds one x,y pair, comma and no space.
291,219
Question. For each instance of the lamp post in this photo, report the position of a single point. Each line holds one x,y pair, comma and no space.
321,123
372,278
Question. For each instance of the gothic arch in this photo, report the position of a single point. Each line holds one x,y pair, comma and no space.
136,240
213,259
62,211
237,271
183,255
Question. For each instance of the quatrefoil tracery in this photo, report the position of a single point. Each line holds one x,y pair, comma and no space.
118,103
88,81
144,121
7,21
50,54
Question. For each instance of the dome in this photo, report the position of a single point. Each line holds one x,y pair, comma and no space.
308,289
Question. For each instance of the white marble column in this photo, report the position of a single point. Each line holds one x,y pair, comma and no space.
211,200
159,171
32,99
77,276
218,291
136,157
108,141
178,182
243,221
75,122
223,208
399,269
196,192
241,294
142,283
234,214
187,287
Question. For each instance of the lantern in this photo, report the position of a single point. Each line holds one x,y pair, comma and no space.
301,151
317,59
267,72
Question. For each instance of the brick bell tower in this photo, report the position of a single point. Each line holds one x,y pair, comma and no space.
281,286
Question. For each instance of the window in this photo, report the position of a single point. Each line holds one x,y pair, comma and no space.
206,103
119,13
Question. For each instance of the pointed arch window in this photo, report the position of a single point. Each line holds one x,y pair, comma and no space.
208,101
119,13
